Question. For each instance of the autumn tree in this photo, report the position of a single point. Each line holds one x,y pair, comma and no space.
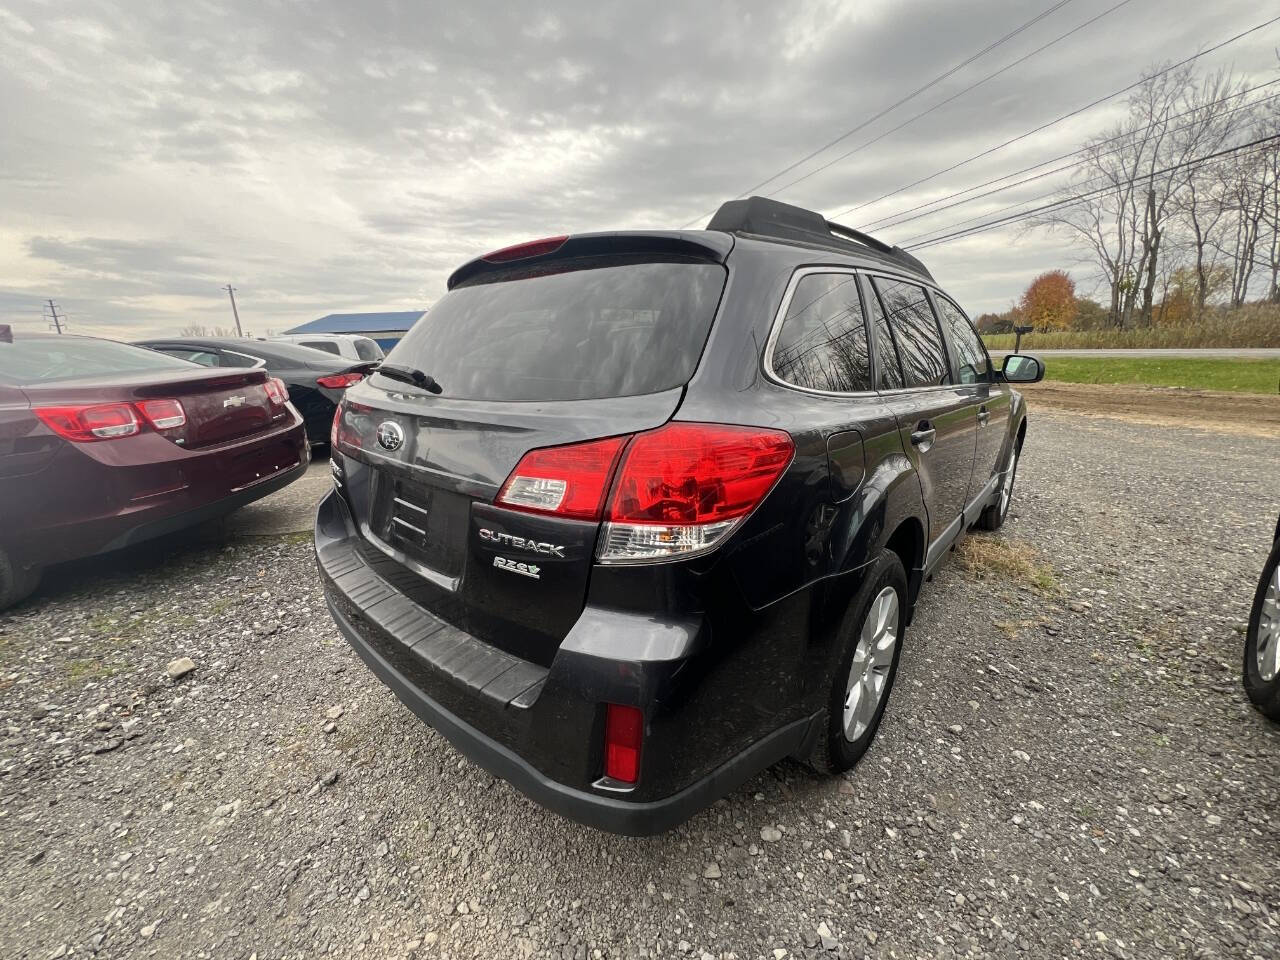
1050,302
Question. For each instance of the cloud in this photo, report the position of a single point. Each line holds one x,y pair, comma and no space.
335,156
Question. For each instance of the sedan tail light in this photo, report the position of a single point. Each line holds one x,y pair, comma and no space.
675,491
277,392
163,414
339,381
86,423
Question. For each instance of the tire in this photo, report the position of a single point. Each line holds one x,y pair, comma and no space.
993,517
846,734
16,582
1262,642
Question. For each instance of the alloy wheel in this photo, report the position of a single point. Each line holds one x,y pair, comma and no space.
1006,485
872,661
1268,645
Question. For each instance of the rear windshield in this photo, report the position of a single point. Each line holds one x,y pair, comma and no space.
46,359
615,330
366,349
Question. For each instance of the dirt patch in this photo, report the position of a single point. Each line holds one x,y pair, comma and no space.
1238,413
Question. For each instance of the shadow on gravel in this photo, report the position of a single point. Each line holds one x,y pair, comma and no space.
122,568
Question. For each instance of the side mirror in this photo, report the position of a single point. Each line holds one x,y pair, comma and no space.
1022,368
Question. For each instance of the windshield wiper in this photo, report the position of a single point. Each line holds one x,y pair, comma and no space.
410,375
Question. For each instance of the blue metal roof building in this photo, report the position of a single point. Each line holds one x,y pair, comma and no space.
386,328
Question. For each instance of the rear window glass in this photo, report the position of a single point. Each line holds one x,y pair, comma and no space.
603,331
368,350
46,359
326,345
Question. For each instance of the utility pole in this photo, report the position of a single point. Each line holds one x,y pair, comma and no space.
55,321
231,292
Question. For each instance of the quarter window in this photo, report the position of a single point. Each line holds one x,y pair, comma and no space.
972,365
916,331
822,344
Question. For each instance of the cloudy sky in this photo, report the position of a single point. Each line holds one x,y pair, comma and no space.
328,156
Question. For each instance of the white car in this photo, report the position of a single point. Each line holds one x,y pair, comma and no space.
349,345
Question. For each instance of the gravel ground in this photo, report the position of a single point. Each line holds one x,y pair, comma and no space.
1063,774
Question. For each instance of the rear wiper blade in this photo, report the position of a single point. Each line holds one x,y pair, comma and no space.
410,375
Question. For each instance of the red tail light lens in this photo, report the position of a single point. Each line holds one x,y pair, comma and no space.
623,735
522,251
339,381
697,473
678,490
569,481
163,414
277,392
85,424
333,428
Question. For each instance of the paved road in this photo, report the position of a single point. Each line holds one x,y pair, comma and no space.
1249,353
1067,772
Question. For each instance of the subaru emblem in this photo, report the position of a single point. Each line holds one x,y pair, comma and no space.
390,435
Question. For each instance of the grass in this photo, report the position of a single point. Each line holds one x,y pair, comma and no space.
1201,373
997,558
1253,325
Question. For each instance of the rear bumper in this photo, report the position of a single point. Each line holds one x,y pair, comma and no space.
541,728
633,818
84,503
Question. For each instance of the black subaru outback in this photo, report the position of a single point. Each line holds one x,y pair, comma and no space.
629,517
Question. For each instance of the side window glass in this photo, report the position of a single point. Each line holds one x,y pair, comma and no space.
971,358
202,357
823,341
230,359
888,369
916,332
328,346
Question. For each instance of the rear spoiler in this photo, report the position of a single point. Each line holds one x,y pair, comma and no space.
692,245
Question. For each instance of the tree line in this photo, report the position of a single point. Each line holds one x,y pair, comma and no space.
1171,221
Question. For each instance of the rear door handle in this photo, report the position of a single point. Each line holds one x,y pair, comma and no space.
983,416
924,435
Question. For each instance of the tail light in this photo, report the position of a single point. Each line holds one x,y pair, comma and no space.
675,491
84,423
163,414
277,392
339,381
569,481
333,428
623,734
350,421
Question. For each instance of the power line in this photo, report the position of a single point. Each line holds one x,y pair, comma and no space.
55,321
942,103
883,225
893,106
1065,116
1071,201
884,221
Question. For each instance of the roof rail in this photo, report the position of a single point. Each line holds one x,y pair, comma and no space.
771,218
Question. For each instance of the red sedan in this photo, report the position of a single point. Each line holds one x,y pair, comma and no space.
103,445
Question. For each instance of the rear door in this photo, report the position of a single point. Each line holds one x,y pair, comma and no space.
583,349
971,368
936,416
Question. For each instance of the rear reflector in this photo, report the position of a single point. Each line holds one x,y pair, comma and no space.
623,734
277,391
568,481
339,381
522,251
163,414
85,424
